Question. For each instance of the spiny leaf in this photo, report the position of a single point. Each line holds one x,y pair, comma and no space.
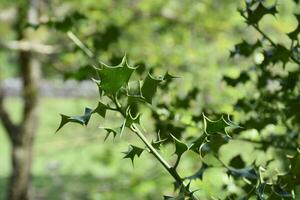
83,119
218,126
280,53
113,78
244,77
132,152
180,147
101,109
244,48
255,15
114,131
131,119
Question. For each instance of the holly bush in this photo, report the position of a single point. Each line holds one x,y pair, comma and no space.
269,118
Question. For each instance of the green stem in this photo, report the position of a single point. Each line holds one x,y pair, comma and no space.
166,165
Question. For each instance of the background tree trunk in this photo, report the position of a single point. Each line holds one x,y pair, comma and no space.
22,135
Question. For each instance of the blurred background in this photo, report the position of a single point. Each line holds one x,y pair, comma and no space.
191,39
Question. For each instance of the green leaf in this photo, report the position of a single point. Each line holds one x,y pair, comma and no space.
113,78
295,164
244,77
180,147
114,131
134,89
83,119
101,109
213,144
168,76
245,49
132,152
149,88
255,15
247,172
158,141
131,119
218,126
196,144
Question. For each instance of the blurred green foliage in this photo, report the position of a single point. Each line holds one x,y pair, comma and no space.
190,38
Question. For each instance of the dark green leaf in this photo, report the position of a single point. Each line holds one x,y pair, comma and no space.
101,109
114,131
180,147
218,126
248,172
237,162
132,152
149,88
83,119
256,14
245,49
213,144
244,77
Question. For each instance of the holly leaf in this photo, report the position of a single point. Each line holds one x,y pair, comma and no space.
180,147
244,77
245,49
82,119
255,15
101,109
115,131
196,144
132,152
149,88
213,144
218,126
113,78
131,119
280,53
247,172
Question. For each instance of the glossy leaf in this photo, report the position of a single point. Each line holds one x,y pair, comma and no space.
113,78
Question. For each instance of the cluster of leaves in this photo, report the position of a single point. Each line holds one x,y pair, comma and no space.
120,93
275,100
